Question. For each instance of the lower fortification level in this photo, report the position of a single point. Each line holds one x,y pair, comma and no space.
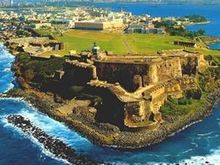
133,88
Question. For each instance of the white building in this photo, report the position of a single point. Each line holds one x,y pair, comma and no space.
99,24
40,25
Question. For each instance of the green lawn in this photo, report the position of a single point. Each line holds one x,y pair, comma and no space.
178,109
118,43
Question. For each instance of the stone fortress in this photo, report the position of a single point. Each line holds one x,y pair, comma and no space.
35,46
133,88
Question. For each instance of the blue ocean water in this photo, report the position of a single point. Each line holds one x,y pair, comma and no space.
211,12
6,76
195,145
214,45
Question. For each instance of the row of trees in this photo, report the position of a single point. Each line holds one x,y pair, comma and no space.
196,18
172,28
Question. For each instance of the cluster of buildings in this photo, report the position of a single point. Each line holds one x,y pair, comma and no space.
86,18
6,3
144,28
7,28
83,18
98,19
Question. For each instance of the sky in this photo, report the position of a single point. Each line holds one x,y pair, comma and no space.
162,1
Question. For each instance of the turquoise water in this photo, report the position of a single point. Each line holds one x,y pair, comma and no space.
214,45
195,145
211,12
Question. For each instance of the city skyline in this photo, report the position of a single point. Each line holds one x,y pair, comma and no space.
106,1
6,3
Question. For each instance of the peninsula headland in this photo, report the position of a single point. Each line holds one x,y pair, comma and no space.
132,91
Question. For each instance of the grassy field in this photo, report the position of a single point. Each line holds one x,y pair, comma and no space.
117,43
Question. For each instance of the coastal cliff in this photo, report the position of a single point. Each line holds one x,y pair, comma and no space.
106,134
110,136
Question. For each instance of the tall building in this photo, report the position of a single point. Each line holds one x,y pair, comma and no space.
12,3
6,3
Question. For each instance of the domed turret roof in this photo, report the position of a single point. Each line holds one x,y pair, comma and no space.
95,47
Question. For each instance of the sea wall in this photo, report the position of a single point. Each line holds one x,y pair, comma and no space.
125,140
130,76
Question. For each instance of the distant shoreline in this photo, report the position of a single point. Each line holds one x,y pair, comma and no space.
156,3
198,23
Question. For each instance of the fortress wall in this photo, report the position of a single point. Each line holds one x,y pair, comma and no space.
56,46
166,77
89,25
130,76
158,92
188,83
132,109
78,75
169,69
153,75
158,98
161,71
174,91
136,112
190,65
111,109
202,63
157,103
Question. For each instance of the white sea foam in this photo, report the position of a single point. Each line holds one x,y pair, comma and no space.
7,70
18,99
54,128
10,86
50,126
206,134
6,60
211,159
32,139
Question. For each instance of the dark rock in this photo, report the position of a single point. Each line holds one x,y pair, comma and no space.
55,146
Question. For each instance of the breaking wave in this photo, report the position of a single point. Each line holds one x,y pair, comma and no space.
6,76
199,144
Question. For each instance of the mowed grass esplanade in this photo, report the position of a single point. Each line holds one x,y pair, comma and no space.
117,43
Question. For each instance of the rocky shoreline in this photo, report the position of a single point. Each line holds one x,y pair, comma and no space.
109,135
55,146
115,138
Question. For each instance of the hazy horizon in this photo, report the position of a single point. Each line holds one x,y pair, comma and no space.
150,1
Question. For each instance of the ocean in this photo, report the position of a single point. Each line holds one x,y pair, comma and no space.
197,144
211,12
